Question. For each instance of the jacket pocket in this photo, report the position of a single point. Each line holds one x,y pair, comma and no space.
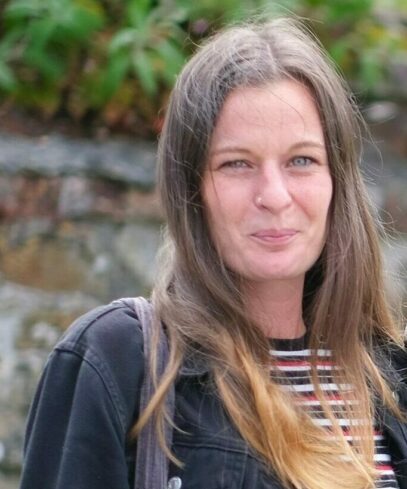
209,463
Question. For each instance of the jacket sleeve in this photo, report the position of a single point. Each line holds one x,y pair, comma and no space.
78,421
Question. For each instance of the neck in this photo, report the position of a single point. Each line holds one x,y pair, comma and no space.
277,307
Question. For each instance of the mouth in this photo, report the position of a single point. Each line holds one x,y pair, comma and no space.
274,235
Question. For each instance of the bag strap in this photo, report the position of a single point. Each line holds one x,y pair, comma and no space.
151,469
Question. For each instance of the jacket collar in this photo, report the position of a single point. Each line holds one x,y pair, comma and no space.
194,365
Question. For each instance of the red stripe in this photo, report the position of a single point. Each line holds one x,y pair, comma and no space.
302,363
327,397
384,467
347,432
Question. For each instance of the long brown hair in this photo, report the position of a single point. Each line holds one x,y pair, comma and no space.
200,300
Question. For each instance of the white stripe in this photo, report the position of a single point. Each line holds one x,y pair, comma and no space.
341,422
297,353
385,457
289,383
330,402
353,437
389,472
302,368
310,387
327,422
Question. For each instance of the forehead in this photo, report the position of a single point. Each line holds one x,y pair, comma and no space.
280,112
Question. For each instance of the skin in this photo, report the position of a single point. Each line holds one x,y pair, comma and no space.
267,190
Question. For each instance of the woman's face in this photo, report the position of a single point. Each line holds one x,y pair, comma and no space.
267,186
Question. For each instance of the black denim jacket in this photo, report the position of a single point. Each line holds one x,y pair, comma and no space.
87,400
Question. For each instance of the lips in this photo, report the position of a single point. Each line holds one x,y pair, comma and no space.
275,233
276,238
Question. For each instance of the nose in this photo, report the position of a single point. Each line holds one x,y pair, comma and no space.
273,191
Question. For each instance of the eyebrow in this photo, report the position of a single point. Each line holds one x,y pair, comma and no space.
308,144
229,149
239,149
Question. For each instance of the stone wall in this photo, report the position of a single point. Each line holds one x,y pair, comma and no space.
80,226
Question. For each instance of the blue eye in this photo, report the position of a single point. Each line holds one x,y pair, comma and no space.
302,161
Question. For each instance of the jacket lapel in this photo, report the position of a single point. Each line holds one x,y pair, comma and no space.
396,434
395,430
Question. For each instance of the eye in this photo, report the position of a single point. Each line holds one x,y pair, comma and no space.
235,164
302,161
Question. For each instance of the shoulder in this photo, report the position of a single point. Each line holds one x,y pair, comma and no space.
108,331
85,403
107,341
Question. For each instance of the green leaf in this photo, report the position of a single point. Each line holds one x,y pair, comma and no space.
179,15
173,58
21,8
50,66
7,79
9,42
123,39
39,33
91,6
82,21
114,75
143,68
138,11
347,10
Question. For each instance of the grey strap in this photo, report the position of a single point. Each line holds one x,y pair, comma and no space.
151,470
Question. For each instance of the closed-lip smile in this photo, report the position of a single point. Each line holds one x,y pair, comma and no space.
274,235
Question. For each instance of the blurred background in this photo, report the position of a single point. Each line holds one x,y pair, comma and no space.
83,87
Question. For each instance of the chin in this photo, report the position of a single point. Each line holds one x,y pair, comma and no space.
280,274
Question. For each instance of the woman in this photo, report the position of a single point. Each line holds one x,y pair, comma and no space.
286,361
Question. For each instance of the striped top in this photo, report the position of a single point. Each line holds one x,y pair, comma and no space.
292,371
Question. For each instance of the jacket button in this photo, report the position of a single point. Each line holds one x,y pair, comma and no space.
174,483
396,396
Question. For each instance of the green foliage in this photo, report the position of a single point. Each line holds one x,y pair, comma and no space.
42,42
149,45
362,36
116,60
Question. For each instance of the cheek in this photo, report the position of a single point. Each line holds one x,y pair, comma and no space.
315,205
320,199
223,221
322,210
223,203
211,211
